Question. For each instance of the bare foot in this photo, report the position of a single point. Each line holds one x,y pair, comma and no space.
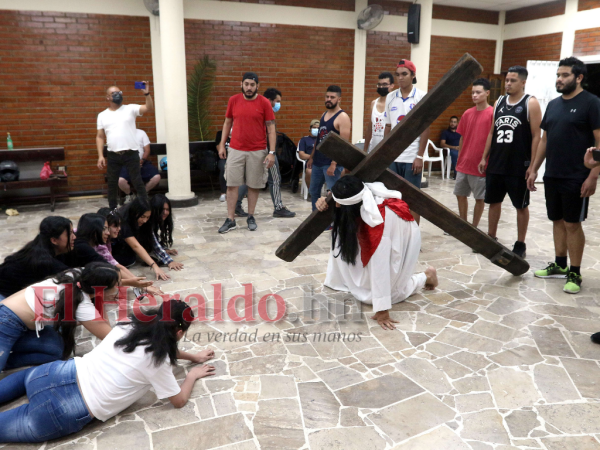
384,320
432,279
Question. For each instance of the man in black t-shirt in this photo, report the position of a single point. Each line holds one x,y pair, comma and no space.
571,125
511,146
451,140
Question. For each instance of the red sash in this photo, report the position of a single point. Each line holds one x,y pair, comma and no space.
370,237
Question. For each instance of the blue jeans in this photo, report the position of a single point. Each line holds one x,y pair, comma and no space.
318,177
27,349
405,171
56,407
453,158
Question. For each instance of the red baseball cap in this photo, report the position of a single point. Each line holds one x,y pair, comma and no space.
410,66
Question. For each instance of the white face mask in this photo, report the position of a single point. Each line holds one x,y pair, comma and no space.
314,131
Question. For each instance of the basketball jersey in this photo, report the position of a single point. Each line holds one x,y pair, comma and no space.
377,126
325,127
510,152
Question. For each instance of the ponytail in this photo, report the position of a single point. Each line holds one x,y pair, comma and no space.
159,335
82,281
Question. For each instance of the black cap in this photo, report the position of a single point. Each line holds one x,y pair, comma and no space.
250,76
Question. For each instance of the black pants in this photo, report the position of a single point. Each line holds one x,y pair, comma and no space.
130,159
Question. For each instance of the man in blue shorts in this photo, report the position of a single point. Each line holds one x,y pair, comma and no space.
150,175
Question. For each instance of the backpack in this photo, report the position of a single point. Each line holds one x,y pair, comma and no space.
286,155
9,171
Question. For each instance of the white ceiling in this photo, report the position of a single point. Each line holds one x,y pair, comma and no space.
495,5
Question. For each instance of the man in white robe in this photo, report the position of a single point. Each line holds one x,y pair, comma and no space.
389,241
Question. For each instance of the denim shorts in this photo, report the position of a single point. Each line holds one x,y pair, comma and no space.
405,171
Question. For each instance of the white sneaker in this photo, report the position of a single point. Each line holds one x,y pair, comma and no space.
222,198
128,198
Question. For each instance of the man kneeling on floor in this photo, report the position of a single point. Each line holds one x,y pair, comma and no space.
375,247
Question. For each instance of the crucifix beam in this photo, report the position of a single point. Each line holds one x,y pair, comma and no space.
371,167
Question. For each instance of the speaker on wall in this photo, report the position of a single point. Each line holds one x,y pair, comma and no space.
414,19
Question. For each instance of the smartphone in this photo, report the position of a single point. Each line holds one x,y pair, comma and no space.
596,155
140,85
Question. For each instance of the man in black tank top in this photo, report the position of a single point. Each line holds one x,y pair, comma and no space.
511,147
335,120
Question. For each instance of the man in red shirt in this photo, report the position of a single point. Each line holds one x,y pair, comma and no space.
248,159
474,128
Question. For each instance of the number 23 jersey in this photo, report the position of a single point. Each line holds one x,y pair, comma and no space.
510,152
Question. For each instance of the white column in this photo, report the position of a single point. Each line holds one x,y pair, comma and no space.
172,42
360,67
157,75
419,53
568,36
499,44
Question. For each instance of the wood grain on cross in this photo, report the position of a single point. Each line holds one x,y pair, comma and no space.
373,167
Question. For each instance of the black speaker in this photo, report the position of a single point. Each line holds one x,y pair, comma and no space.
414,20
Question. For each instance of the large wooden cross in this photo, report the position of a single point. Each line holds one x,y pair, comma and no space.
374,167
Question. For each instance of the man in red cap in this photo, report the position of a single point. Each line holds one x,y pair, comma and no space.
398,104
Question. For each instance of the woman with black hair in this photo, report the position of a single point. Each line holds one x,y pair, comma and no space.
38,259
162,227
375,244
70,296
64,396
136,237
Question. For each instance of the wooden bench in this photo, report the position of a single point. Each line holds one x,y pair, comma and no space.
33,155
197,176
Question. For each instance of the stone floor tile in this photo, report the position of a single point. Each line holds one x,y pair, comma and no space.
554,384
484,426
440,438
320,408
259,365
512,389
550,341
340,377
522,355
474,402
167,416
571,443
578,418
520,423
349,417
451,368
468,341
585,374
375,357
347,439
471,360
417,414
471,384
379,392
425,374
278,425
205,408
124,435
224,404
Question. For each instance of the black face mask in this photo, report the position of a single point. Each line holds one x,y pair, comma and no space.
117,98
383,91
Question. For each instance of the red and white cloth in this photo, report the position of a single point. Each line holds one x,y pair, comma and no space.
390,241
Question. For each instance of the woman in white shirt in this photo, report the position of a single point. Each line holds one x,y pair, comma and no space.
66,395
37,324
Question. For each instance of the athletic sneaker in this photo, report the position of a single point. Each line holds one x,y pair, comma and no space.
520,249
239,211
251,223
573,285
137,292
228,226
596,338
222,198
283,212
552,271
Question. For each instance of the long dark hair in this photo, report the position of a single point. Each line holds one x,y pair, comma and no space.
38,255
130,213
90,229
93,274
346,219
112,217
159,336
162,228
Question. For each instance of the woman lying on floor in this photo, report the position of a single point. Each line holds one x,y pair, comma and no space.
64,396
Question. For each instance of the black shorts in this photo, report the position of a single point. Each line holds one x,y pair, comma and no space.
147,170
497,186
563,199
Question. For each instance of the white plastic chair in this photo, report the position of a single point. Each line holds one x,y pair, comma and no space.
432,159
304,188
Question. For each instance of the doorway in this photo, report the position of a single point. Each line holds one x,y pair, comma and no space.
592,83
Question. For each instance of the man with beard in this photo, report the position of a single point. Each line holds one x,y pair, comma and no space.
572,125
335,120
511,146
375,133
409,165
375,245
248,158
451,140
116,126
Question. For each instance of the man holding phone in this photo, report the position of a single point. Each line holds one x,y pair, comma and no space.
116,126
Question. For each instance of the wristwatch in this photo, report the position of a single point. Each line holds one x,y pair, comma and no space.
271,153
420,157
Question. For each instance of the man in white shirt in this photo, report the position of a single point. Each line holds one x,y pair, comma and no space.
150,174
116,126
398,104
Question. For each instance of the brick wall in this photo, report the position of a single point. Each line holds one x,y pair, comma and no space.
584,5
536,12
300,61
339,5
384,50
535,48
55,70
587,42
444,54
465,14
393,7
